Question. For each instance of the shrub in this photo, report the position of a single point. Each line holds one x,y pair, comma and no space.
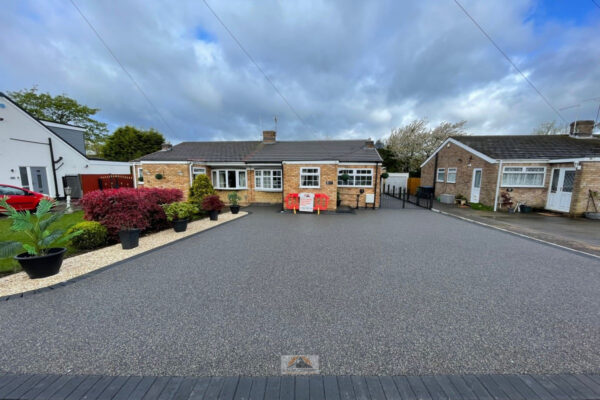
93,235
201,187
128,208
385,175
38,235
179,210
234,198
212,203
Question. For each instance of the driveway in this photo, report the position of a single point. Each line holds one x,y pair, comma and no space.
379,292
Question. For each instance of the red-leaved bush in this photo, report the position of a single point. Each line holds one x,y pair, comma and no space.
129,208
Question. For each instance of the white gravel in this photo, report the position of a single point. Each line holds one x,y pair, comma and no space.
73,267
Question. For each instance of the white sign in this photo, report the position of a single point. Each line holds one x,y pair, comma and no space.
307,202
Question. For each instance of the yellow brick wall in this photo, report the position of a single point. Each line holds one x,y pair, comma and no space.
586,178
291,181
175,176
348,194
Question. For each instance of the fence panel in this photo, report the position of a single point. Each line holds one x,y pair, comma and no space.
91,182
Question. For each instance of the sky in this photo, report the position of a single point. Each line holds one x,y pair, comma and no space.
348,68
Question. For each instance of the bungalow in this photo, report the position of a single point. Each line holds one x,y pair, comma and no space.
267,171
552,172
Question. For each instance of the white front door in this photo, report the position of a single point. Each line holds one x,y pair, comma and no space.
476,185
561,189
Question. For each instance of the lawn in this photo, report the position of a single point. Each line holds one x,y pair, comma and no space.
9,266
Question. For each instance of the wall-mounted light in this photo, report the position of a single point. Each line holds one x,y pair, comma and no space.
469,162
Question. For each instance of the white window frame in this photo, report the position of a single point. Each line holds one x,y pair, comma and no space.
523,172
260,187
238,184
437,175
352,173
318,174
451,171
140,174
194,173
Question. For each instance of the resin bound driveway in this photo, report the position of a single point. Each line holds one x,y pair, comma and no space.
380,292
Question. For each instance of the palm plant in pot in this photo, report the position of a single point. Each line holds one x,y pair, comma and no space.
179,214
212,204
39,254
234,200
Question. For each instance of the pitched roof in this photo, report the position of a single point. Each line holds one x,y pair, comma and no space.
316,150
532,147
205,152
255,151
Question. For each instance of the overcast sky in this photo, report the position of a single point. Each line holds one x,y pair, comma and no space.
350,69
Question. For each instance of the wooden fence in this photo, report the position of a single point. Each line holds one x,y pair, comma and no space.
91,182
412,185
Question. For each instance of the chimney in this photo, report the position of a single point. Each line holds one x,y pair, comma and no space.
166,146
269,136
581,129
369,144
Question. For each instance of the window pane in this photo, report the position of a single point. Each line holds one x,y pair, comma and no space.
222,179
555,175
24,178
242,179
277,182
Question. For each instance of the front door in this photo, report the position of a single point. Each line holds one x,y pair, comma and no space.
476,185
39,180
561,189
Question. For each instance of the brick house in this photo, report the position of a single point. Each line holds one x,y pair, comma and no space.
551,172
265,172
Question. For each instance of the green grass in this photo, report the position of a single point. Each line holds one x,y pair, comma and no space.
9,266
482,207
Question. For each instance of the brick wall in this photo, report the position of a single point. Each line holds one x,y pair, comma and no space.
586,178
291,181
348,194
454,156
175,176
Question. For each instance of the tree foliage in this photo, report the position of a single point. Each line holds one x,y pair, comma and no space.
201,187
64,110
128,143
548,128
410,145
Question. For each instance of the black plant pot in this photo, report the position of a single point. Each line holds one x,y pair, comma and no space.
42,266
180,225
214,215
339,202
234,209
130,238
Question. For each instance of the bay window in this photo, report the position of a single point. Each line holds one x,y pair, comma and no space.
265,179
310,177
356,177
229,178
523,176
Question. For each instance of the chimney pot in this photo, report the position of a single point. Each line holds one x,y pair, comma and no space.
166,146
581,128
269,136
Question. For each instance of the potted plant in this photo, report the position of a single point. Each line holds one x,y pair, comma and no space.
339,199
385,175
129,235
234,200
345,178
179,214
212,204
39,252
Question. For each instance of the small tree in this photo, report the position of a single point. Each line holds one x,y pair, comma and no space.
548,128
201,187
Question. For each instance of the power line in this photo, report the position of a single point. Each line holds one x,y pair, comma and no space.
254,62
510,61
139,88
597,5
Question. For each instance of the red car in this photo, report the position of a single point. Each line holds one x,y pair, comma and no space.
21,199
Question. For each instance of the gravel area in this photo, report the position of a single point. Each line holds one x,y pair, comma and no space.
381,292
73,267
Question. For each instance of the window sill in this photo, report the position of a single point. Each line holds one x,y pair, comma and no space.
231,188
309,187
268,190
523,187
355,186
